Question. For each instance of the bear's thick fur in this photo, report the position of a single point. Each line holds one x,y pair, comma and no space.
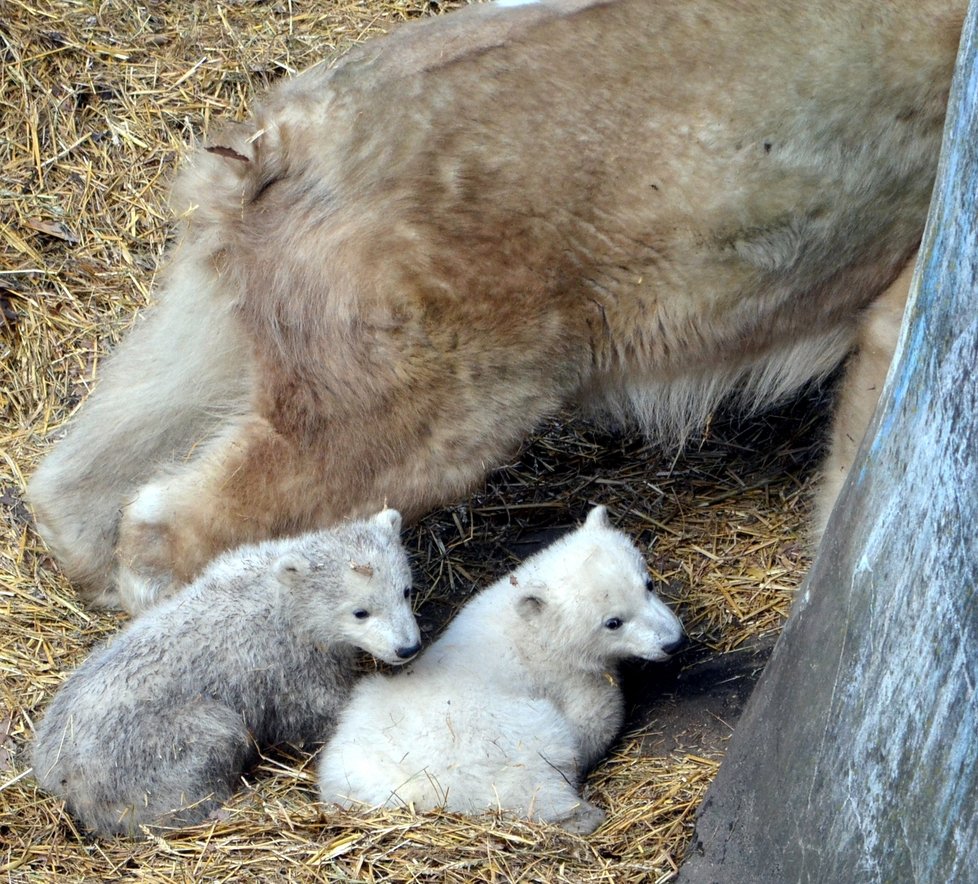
518,698
155,728
401,265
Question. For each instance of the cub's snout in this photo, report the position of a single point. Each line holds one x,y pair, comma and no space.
405,654
676,646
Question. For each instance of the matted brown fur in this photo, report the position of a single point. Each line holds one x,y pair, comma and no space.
96,105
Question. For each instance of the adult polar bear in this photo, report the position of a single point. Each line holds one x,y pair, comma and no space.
402,264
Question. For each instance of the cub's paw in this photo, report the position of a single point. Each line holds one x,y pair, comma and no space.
583,819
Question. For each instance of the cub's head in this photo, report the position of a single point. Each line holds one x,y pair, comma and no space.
352,585
592,590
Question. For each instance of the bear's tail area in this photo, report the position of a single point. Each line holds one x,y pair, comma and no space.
230,171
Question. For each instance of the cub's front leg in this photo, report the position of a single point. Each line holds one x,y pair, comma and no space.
596,712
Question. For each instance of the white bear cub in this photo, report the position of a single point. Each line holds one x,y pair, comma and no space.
517,699
156,728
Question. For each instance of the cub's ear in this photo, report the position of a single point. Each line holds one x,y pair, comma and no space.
530,606
289,568
390,519
598,518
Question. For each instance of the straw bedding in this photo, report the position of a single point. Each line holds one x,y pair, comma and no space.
97,103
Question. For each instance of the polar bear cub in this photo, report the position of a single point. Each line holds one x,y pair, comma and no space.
155,728
517,699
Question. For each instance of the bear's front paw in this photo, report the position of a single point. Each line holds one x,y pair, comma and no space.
137,591
144,554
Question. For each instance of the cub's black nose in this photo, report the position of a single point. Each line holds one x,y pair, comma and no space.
677,645
408,653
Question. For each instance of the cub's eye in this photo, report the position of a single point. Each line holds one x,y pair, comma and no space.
613,623
650,584
361,614
407,593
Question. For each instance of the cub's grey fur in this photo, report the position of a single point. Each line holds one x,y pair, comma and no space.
517,698
156,727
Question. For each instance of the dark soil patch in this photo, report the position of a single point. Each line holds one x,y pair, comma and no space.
692,704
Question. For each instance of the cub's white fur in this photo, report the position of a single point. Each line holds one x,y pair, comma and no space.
156,727
517,699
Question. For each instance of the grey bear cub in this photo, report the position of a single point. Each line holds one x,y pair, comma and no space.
156,727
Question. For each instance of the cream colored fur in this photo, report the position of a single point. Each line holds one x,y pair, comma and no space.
864,375
401,265
182,373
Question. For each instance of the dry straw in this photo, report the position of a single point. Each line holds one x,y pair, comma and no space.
97,103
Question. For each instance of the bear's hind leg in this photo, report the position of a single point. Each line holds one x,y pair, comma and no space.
178,375
144,767
864,376
190,766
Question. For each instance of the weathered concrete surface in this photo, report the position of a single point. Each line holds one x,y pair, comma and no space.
857,757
